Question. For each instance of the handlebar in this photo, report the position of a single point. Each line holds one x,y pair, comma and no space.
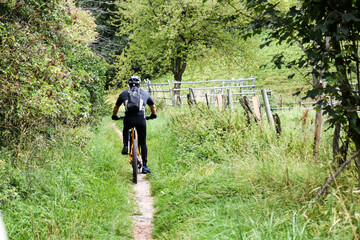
122,118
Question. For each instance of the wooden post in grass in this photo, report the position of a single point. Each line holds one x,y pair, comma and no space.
317,136
191,97
267,108
245,103
207,100
178,100
171,93
256,104
277,124
220,102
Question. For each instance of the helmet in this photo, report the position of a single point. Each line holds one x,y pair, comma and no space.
134,80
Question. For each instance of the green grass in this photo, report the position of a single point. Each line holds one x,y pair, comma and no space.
214,177
74,186
247,62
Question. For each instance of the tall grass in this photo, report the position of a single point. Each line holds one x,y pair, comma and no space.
216,177
75,186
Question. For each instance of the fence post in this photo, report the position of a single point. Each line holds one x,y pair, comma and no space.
207,100
267,108
220,101
171,93
163,93
191,97
245,103
256,104
148,84
242,88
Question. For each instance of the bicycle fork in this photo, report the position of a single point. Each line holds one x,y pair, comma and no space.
133,135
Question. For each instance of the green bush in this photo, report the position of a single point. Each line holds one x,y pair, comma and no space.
48,75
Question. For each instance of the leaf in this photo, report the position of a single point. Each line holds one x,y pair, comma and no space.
265,44
348,17
313,93
321,27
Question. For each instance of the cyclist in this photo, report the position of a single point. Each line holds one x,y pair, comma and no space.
135,119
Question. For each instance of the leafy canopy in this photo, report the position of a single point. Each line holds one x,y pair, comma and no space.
164,35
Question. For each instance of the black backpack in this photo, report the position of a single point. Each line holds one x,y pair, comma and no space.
134,102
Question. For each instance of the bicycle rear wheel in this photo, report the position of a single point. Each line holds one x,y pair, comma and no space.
134,162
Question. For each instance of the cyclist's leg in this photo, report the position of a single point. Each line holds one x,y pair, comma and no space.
141,128
127,126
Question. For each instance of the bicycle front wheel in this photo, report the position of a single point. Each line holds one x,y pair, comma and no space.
134,162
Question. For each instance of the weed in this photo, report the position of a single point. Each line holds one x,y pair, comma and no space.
215,177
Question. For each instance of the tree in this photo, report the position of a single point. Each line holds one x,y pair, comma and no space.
107,44
328,32
164,35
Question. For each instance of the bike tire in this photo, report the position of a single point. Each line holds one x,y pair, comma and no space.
134,162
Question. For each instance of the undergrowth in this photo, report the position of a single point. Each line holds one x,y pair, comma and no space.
217,177
71,185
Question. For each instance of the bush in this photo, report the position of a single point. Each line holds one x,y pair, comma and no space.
48,75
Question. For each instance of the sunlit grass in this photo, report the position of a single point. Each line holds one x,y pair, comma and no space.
214,177
78,188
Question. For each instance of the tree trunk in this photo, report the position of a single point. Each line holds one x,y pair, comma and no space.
317,83
317,137
349,103
178,68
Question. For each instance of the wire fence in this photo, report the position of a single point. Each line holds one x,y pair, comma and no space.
230,90
202,91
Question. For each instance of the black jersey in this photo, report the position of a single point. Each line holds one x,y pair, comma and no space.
146,100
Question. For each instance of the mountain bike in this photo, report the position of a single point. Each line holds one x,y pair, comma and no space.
134,153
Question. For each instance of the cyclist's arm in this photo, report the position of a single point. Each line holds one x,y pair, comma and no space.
153,109
115,110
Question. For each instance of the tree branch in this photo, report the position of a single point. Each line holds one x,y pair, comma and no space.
332,177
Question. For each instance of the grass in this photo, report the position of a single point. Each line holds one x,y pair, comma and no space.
248,62
75,186
214,177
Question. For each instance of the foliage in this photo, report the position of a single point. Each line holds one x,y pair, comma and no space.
328,32
107,43
164,36
219,178
48,75
72,186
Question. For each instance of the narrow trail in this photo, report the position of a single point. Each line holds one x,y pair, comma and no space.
143,220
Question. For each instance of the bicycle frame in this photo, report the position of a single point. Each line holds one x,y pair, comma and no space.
134,160
133,135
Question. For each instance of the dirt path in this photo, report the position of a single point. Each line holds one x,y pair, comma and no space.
143,220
